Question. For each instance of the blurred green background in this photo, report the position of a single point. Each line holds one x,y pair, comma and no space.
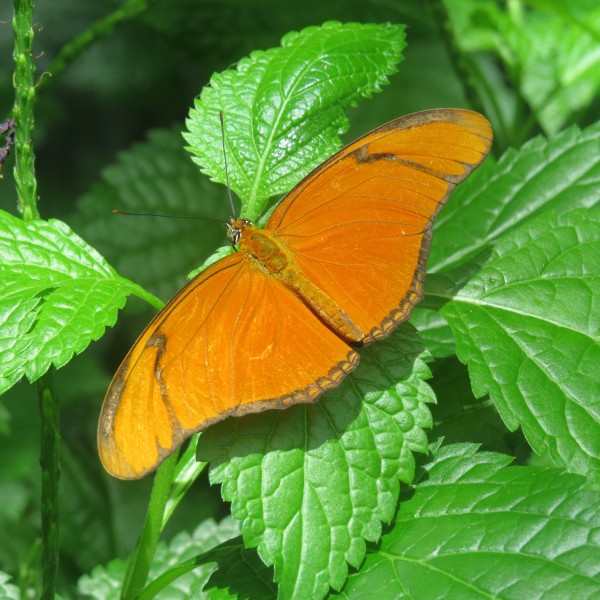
143,76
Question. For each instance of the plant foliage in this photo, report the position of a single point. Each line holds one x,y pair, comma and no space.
363,490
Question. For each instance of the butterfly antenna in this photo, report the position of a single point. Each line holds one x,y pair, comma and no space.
225,161
118,211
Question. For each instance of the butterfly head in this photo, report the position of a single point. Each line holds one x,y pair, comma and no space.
235,228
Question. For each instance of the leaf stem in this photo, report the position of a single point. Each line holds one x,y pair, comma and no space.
141,557
69,52
24,171
151,299
50,464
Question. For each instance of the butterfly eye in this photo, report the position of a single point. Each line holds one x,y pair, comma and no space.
235,227
234,233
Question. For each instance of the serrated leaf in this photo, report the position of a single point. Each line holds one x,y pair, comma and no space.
156,176
312,483
58,294
528,327
558,174
285,108
475,528
460,417
104,583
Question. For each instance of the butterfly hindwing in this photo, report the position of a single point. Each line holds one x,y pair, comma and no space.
231,342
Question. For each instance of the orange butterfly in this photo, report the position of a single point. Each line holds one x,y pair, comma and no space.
340,263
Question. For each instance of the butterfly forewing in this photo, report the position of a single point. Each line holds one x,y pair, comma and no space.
360,225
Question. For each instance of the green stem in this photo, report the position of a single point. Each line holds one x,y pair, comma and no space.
49,461
141,558
25,181
186,472
140,292
26,186
98,29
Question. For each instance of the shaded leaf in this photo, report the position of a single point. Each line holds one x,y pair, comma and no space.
104,583
156,176
239,574
460,417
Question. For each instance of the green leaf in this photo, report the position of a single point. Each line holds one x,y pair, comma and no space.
284,109
460,417
528,327
239,574
104,583
312,483
156,176
58,294
554,61
434,330
475,528
558,174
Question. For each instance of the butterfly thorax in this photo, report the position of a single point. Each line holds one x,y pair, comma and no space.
262,246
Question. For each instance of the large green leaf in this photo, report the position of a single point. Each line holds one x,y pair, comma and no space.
58,294
528,327
474,528
313,483
470,528
285,108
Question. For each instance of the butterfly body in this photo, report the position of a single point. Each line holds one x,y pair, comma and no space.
340,262
268,252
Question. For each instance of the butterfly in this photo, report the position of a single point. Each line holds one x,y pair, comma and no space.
340,263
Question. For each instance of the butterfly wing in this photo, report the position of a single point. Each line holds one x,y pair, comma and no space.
360,224
232,341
